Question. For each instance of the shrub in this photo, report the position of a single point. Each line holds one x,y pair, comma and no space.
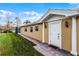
7,31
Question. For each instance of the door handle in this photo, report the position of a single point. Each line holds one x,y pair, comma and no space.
58,36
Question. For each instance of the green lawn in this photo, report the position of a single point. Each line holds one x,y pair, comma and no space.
12,44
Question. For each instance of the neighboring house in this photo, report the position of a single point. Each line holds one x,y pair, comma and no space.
2,28
58,27
11,27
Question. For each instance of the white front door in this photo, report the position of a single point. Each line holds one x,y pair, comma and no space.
55,33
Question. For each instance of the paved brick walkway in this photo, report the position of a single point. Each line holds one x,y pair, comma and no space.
47,50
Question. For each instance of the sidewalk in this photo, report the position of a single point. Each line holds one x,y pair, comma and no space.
47,50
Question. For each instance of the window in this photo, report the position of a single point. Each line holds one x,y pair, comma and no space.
36,28
31,29
26,29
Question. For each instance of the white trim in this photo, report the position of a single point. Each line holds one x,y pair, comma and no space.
61,34
48,33
74,37
60,12
43,33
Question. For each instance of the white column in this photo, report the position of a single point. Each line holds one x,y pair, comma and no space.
43,33
74,37
48,33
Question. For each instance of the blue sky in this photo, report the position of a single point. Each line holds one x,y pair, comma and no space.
30,11
39,7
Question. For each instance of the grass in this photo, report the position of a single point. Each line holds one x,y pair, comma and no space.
12,44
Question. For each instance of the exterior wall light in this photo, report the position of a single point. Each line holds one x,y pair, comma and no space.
66,24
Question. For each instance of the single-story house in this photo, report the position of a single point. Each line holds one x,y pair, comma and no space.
10,27
57,27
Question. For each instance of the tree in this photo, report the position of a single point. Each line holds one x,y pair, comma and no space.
8,21
27,21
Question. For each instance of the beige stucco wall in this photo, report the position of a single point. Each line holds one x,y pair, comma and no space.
77,19
35,34
46,33
67,35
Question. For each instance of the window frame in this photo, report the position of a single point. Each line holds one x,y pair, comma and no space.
31,29
26,29
36,28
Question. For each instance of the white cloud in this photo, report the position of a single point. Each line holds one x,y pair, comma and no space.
74,5
31,15
4,14
26,15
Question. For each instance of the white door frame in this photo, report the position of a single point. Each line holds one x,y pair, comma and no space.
49,30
